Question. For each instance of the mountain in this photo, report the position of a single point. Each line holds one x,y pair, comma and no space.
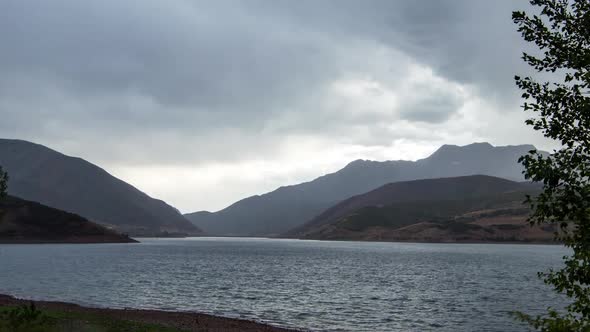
449,189
40,174
472,208
30,222
288,207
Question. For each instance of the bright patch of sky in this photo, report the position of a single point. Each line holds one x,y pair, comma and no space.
202,103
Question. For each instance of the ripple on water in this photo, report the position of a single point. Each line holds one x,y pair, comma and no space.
327,286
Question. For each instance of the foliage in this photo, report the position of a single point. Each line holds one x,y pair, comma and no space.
561,111
3,182
23,318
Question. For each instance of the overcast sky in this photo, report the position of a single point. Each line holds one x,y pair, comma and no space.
201,103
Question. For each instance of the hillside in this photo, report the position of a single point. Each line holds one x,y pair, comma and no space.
442,189
461,209
24,221
40,174
288,207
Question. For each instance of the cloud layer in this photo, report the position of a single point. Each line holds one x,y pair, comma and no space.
204,102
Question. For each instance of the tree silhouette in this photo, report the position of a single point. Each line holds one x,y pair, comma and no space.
3,183
560,109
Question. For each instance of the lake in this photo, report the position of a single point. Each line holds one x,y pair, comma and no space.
317,285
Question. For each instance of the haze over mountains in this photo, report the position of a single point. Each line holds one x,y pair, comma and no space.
288,207
40,174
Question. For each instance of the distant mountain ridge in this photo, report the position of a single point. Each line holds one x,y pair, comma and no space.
470,209
40,174
287,207
24,221
452,188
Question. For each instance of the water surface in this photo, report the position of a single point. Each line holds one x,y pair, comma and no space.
323,286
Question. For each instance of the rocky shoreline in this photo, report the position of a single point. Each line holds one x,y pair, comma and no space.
183,321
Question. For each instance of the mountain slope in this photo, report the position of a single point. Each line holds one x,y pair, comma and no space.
472,208
40,174
455,188
30,222
288,207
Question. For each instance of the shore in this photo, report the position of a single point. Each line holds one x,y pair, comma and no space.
170,321
72,240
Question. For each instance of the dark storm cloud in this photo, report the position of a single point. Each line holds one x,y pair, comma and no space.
173,52
431,109
471,41
182,73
